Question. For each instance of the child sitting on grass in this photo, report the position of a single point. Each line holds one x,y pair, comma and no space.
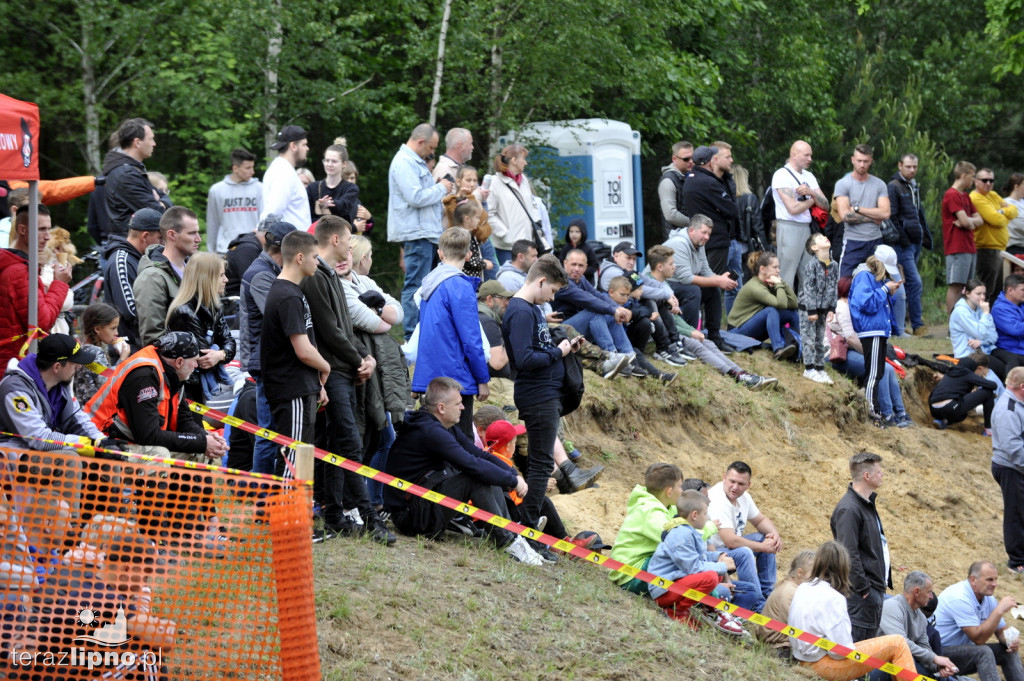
650,507
682,556
777,605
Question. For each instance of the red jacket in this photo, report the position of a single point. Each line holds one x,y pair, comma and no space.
14,304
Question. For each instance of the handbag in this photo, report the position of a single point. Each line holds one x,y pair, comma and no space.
890,235
539,241
837,346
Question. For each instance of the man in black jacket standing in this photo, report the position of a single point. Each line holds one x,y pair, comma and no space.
856,525
905,207
128,188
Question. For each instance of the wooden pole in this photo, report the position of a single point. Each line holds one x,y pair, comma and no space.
304,462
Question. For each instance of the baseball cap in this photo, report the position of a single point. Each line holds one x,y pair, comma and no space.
888,257
595,543
178,344
702,155
145,220
492,288
500,433
288,134
277,231
625,247
60,347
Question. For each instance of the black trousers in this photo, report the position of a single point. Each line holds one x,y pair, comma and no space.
1011,482
957,410
692,298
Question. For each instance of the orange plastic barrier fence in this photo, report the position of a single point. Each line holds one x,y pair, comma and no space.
112,570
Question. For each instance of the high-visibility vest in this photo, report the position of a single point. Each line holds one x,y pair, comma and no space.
513,494
105,405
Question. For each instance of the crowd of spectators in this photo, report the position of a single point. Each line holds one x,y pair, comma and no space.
286,287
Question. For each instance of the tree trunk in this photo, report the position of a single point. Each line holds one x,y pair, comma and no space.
496,99
440,62
92,116
270,88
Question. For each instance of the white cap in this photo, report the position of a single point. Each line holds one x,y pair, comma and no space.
888,257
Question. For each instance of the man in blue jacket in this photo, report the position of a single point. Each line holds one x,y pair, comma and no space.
414,212
430,451
590,313
450,340
1008,315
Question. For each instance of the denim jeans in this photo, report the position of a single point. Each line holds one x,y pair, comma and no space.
601,329
735,265
907,256
899,310
419,260
748,571
768,324
487,253
264,455
890,400
379,460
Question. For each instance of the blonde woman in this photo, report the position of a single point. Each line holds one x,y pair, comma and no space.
197,310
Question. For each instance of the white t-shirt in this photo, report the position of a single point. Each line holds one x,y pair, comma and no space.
731,517
285,195
782,179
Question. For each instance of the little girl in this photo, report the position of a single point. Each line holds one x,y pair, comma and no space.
99,328
467,189
817,297
467,215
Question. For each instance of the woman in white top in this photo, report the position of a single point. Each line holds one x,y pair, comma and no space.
1013,193
510,208
819,607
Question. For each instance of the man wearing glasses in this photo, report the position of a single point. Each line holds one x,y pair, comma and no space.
992,236
795,190
670,187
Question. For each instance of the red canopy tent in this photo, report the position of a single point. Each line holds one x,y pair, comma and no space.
19,160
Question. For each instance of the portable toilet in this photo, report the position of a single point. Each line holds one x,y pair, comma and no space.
606,155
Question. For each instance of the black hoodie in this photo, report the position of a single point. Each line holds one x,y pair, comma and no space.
128,189
958,382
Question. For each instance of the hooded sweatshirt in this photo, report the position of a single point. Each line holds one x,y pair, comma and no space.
232,209
451,343
966,324
959,381
641,531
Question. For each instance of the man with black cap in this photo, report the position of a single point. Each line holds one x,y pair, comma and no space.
144,402
121,255
256,283
283,191
38,407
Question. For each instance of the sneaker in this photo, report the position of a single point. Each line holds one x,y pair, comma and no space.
940,423
986,432
542,522
921,332
903,421
522,553
463,525
680,351
670,357
666,377
1017,570
811,375
755,382
823,377
325,533
879,422
634,370
611,367
546,554
786,353
376,530
727,624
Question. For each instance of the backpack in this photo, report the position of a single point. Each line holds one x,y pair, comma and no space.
572,384
767,210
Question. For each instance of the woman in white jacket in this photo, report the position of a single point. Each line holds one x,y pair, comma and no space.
510,208
819,607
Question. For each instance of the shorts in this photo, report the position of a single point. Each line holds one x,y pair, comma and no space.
960,267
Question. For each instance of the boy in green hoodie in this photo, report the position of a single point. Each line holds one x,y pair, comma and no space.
650,506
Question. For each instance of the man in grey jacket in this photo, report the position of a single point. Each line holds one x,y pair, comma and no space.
38,406
414,213
902,616
1008,464
670,187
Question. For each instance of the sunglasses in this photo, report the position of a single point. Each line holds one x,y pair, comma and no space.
986,180
685,159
